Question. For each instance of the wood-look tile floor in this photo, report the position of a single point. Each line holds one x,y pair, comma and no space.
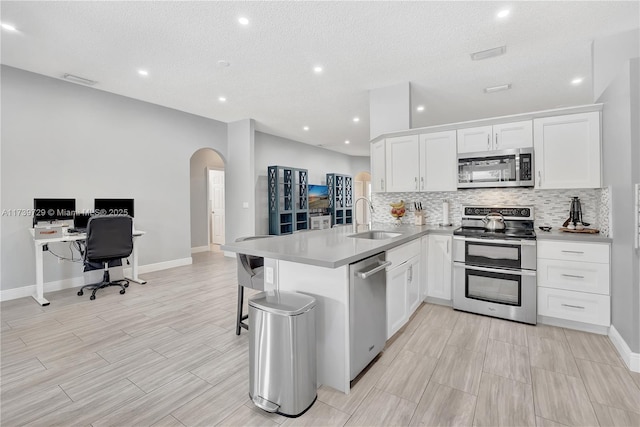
166,354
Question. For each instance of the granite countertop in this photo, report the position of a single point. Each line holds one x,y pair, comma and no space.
333,247
556,234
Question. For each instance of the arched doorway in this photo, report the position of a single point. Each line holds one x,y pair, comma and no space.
207,200
362,188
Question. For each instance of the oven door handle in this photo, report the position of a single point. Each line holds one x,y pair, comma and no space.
489,241
499,270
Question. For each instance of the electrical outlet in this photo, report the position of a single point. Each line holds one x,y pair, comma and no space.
268,275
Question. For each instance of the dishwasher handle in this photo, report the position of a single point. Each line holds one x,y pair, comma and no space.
381,266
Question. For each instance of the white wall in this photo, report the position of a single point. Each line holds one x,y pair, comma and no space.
200,161
609,54
65,140
389,109
271,150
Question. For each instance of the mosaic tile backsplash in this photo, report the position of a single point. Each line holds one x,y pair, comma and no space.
551,207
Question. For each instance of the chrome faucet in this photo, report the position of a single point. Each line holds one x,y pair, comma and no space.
355,208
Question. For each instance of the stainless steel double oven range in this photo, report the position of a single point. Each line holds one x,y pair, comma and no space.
495,270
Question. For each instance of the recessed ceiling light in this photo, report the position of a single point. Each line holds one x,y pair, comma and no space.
144,73
420,108
222,99
305,128
356,119
577,81
243,21
503,13
78,79
347,141
317,69
8,27
489,53
223,63
497,88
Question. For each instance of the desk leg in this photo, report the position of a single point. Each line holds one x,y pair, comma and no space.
134,267
39,295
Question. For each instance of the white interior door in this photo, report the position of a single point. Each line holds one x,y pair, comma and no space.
216,201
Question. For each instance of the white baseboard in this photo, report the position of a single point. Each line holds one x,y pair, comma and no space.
631,359
571,324
58,285
199,249
229,254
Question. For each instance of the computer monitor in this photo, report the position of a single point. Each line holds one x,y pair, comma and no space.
53,209
81,220
113,207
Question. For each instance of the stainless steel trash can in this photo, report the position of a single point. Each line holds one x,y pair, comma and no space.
282,352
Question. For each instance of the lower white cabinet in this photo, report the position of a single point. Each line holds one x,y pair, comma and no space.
403,285
574,281
439,265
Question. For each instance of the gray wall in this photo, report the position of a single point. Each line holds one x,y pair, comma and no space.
620,145
240,181
66,140
200,161
609,55
272,150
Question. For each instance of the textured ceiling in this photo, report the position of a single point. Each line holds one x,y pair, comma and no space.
361,45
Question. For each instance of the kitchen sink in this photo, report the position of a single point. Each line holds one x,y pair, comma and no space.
375,235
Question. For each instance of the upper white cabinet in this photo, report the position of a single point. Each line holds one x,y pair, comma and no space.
567,151
402,163
378,168
497,137
438,171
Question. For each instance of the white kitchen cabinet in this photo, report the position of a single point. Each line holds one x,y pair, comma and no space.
497,137
424,248
413,285
403,284
574,281
439,265
378,167
396,299
568,151
402,163
438,166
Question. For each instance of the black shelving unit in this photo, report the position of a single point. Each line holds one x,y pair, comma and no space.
340,188
288,199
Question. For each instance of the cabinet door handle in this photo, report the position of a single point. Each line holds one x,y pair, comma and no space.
382,184
573,275
572,252
496,140
539,178
573,306
416,181
447,247
422,182
488,142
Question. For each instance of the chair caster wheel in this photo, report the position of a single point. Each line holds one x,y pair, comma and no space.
122,292
92,297
126,285
80,293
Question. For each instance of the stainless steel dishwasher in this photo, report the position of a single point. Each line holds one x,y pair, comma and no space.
367,311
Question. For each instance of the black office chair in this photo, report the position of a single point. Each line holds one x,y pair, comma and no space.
109,239
250,275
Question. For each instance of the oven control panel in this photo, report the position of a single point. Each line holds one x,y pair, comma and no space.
511,212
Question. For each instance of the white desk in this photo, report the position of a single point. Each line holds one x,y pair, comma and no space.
39,244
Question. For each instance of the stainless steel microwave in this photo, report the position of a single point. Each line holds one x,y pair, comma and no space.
503,168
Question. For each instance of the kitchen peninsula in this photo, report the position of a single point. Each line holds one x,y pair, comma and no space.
317,263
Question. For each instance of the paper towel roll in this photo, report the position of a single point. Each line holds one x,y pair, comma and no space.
445,212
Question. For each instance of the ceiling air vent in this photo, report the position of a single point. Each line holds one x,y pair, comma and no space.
79,80
489,53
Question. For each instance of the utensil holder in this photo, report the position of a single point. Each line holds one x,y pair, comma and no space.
420,218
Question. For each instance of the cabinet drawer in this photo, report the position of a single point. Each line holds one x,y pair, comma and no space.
402,253
576,306
574,276
572,251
